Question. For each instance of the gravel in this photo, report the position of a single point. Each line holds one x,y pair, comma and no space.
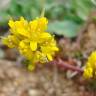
17,81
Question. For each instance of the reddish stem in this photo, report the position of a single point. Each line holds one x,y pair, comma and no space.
63,64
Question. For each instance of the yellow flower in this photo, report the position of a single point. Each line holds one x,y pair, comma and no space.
88,72
19,27
32,40
90,68
12,41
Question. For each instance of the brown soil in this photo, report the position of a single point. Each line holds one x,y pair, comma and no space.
44,81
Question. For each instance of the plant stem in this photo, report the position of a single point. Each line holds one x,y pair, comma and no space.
63,64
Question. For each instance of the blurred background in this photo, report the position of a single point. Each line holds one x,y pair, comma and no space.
65,16
73,22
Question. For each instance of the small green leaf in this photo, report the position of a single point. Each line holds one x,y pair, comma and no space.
66,28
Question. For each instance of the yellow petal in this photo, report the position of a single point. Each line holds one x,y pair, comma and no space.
23,32
49,57
33,45
22,44
45,35
55,48
88,72
33,25
11,23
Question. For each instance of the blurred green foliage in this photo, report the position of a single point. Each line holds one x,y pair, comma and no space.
67,28
65,16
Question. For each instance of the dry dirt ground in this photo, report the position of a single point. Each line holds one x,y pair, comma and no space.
17,81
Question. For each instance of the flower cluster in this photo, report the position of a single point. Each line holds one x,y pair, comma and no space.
90,68
31,40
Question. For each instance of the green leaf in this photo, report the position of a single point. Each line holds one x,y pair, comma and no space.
4,17
83,8
66,28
